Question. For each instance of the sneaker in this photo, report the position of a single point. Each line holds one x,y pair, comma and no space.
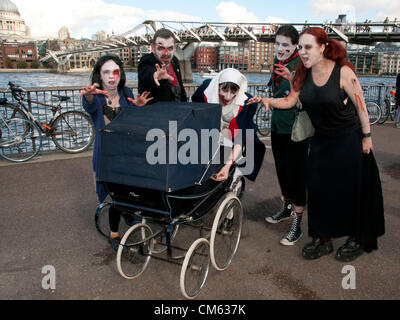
397,125
350,251
115,243
282,214
317,248
294,233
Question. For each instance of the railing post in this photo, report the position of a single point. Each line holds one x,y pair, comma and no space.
29,101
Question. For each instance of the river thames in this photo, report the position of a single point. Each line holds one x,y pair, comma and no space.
42,79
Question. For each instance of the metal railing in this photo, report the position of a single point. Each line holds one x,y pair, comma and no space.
376,93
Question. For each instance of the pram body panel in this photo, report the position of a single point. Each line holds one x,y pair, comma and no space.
140,136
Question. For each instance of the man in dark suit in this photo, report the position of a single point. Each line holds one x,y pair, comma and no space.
159,72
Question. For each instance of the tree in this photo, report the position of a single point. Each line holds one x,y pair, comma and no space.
35,64
8,63
21,65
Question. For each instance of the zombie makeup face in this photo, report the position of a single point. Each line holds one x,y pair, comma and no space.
110,75
164,49
310,51
283,47
227,93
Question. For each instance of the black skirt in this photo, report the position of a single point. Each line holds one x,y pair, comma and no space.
334,173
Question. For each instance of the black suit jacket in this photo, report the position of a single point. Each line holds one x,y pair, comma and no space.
146,69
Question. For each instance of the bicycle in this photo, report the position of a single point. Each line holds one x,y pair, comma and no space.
374,110
20,139
263,117
71,131
389,108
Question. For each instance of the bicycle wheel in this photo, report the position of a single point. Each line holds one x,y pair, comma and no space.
73,131
385,113
8,111
374,112
263,121
20,139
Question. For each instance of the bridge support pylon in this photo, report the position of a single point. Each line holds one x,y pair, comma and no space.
184,55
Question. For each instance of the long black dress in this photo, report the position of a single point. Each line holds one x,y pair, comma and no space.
334,168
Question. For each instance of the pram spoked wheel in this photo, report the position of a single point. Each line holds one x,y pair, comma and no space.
226,230
195,268
134,251
101,219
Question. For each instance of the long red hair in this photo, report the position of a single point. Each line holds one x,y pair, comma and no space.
333,51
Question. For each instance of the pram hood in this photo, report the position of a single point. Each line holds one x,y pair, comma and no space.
151,146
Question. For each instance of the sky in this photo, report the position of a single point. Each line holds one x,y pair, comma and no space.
84,18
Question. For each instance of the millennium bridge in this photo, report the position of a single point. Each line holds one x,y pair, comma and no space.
189,34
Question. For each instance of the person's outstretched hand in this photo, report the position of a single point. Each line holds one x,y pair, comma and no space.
141,100
90,91
161,74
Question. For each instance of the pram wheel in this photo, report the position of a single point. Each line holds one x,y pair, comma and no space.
195,268
134,251
225,232
101,219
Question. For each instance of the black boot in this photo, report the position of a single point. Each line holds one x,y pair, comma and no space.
317,248
350,251
282,214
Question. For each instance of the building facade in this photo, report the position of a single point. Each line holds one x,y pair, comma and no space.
235,55
12,26
366,63
204,58
390,63
18,55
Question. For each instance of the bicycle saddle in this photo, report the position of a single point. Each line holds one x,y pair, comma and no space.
62,98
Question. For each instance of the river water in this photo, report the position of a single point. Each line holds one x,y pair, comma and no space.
82,79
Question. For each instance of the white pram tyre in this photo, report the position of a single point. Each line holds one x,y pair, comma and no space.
134,251
226,231
195,268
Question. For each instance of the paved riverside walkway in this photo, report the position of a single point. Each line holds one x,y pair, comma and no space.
47,207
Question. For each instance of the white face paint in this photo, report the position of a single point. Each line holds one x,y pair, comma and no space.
310,51
110,75
283,47
164,49
226,95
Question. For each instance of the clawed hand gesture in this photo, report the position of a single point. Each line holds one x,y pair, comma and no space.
264,101
89,91
284,72
141,100
161,74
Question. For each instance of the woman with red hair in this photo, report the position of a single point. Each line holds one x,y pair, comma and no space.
326,85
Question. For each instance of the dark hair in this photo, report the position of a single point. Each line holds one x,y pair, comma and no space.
163,33
229,85
290,32
96,70
333,51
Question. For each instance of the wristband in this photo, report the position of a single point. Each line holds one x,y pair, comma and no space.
366,135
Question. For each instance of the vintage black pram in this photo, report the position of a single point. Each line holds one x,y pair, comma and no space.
156,163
